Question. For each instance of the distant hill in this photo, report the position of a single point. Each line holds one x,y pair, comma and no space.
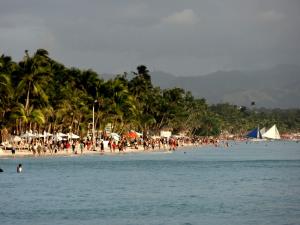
278,87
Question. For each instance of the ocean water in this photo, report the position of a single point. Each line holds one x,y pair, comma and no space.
256,183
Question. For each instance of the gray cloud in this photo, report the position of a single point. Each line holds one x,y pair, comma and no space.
182,37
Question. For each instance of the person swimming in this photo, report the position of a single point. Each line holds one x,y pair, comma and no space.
19,168
1,170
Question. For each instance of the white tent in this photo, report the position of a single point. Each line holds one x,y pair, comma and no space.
166,134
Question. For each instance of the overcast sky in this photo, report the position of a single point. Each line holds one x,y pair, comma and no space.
190,37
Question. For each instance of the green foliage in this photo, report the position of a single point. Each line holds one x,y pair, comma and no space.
40,93
211,127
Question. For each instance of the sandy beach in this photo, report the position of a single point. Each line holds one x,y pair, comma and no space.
63,153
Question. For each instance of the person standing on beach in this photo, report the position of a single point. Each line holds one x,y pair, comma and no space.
114,145
73,147
81,147
13,150
110,145
34,149
68,146
102,146
39,149
55,148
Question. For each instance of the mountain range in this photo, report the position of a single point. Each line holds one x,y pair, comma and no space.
277,87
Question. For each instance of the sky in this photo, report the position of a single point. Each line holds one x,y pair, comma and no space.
185,38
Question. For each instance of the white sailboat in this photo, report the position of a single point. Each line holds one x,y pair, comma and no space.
263,130
272,133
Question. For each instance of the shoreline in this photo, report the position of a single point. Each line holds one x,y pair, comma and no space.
7,154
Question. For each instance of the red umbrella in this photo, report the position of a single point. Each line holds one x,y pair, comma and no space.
132,134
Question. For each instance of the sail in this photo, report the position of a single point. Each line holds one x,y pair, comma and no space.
263,130
255,133
272,133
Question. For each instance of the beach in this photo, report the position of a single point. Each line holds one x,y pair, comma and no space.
106,151
42,148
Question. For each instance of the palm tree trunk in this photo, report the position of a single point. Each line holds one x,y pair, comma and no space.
17,125
30,124
20,127
27,98
161,122
113,125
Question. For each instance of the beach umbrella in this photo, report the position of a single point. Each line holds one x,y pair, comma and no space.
115,136
62,135
28,135
46,134
57,138
73,136
132,134
155,137
139,134
40,135
17,139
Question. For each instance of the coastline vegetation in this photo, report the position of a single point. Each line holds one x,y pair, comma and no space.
38,93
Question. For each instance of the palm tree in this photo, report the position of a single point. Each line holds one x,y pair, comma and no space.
7,97
36,73
23,117
72,109
142,90
118,104
6,93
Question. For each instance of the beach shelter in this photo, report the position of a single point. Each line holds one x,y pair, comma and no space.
60,136
139,134
165,134
132,134
28,135
115,136
41,135
73,136
155,137
46,134
17,139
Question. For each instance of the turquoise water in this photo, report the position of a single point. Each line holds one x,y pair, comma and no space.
253,183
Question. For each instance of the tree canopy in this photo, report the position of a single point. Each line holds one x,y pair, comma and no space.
39,93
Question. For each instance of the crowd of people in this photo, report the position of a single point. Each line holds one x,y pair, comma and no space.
110,145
